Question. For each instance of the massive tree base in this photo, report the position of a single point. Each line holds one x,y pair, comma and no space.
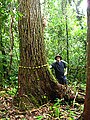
26,102
36,84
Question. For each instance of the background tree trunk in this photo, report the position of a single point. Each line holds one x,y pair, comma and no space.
36,83
87,98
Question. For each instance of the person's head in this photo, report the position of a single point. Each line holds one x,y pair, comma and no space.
58,58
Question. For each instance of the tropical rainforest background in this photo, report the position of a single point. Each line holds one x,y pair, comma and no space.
65,34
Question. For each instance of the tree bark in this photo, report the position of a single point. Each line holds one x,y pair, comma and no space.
36,83
87,98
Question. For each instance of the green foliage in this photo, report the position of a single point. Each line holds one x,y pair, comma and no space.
56,42
12,91
56,38
56,108
62,110
8,76
39,117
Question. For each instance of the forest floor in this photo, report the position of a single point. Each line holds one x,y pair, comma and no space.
50,111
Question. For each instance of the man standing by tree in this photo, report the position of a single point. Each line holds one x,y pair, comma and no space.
35,79
59,67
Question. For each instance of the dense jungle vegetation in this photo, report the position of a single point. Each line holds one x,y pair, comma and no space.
65,34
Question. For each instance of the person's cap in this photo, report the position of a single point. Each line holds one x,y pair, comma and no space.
58,56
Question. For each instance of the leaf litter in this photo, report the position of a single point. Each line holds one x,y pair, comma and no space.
49,111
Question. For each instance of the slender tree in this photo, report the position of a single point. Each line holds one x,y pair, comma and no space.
3,67
36,83
87,98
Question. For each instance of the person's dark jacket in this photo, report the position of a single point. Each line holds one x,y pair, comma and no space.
59,69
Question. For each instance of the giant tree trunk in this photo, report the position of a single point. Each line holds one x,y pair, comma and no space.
36,82
87,98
